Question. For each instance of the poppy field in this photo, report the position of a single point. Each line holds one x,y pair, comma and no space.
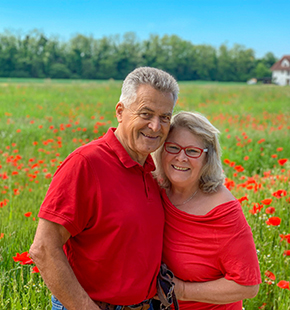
42,121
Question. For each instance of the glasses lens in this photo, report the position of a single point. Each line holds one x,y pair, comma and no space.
172,148
192,152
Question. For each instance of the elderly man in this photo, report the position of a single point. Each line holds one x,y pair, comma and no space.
99,239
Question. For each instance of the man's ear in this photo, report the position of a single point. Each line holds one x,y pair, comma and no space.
119,111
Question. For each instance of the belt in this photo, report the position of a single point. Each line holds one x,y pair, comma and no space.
142,306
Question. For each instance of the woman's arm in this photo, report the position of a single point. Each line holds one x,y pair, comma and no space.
221,291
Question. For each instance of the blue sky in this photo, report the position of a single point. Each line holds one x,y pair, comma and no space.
262,25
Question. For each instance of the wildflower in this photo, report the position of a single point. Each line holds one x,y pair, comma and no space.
283,237
28,214
286,253
279,149
282,161
227,161
280,193
243,198
283,284
270,210
274,221
229,184
256,208
23,259
35,269
261,141
270,275
239,168
266,201
1,235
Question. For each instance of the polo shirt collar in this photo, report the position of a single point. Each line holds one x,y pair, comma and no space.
123,155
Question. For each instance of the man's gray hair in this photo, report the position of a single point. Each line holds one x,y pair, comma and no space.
156,78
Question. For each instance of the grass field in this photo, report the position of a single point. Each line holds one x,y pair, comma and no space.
41,122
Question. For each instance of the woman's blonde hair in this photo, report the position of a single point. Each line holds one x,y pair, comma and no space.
212,173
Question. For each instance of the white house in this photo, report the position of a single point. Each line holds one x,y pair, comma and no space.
281,71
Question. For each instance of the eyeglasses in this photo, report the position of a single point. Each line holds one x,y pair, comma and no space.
190,151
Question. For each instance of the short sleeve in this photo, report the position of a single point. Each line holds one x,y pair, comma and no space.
239,260
70,198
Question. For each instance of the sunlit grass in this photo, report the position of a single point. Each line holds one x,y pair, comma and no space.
41,123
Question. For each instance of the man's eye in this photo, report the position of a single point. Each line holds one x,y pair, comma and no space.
165,118
145,115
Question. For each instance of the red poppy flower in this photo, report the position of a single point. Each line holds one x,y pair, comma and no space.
282,161
274,221
285,237
280,193
286,253
270,275
23,258
266,201
270,210
28,214
239,168
279,149
243,199
1,235
256,208
283,284
35,269
229,184
261,141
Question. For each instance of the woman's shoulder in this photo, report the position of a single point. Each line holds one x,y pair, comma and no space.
221,196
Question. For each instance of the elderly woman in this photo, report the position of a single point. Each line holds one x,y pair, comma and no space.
208,243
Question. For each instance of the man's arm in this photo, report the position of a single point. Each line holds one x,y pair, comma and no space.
221,291
47,253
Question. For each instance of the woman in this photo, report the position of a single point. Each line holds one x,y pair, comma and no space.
207,242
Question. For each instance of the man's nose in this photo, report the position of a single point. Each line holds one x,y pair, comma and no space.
154,124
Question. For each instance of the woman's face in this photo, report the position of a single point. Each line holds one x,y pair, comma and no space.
181,170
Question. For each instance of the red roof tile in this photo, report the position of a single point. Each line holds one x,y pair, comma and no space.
278,64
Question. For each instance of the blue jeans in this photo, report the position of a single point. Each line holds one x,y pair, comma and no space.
56,305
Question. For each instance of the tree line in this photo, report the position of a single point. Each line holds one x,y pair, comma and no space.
34,55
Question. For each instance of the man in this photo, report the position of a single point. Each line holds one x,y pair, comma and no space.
99,239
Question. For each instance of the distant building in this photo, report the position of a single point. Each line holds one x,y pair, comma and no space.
281,71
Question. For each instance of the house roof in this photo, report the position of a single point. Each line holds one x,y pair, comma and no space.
278,64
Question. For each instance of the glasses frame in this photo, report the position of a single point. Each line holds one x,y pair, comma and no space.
184,148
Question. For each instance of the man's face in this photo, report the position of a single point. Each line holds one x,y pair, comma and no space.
144,125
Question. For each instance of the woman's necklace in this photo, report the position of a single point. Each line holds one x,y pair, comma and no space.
186,201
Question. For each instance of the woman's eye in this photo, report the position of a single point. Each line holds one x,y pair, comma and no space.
192,151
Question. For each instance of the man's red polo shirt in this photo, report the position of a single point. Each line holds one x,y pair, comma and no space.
111,206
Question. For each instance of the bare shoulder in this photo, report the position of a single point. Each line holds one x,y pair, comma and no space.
207,202
222,195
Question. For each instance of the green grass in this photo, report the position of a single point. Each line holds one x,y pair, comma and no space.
42,121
